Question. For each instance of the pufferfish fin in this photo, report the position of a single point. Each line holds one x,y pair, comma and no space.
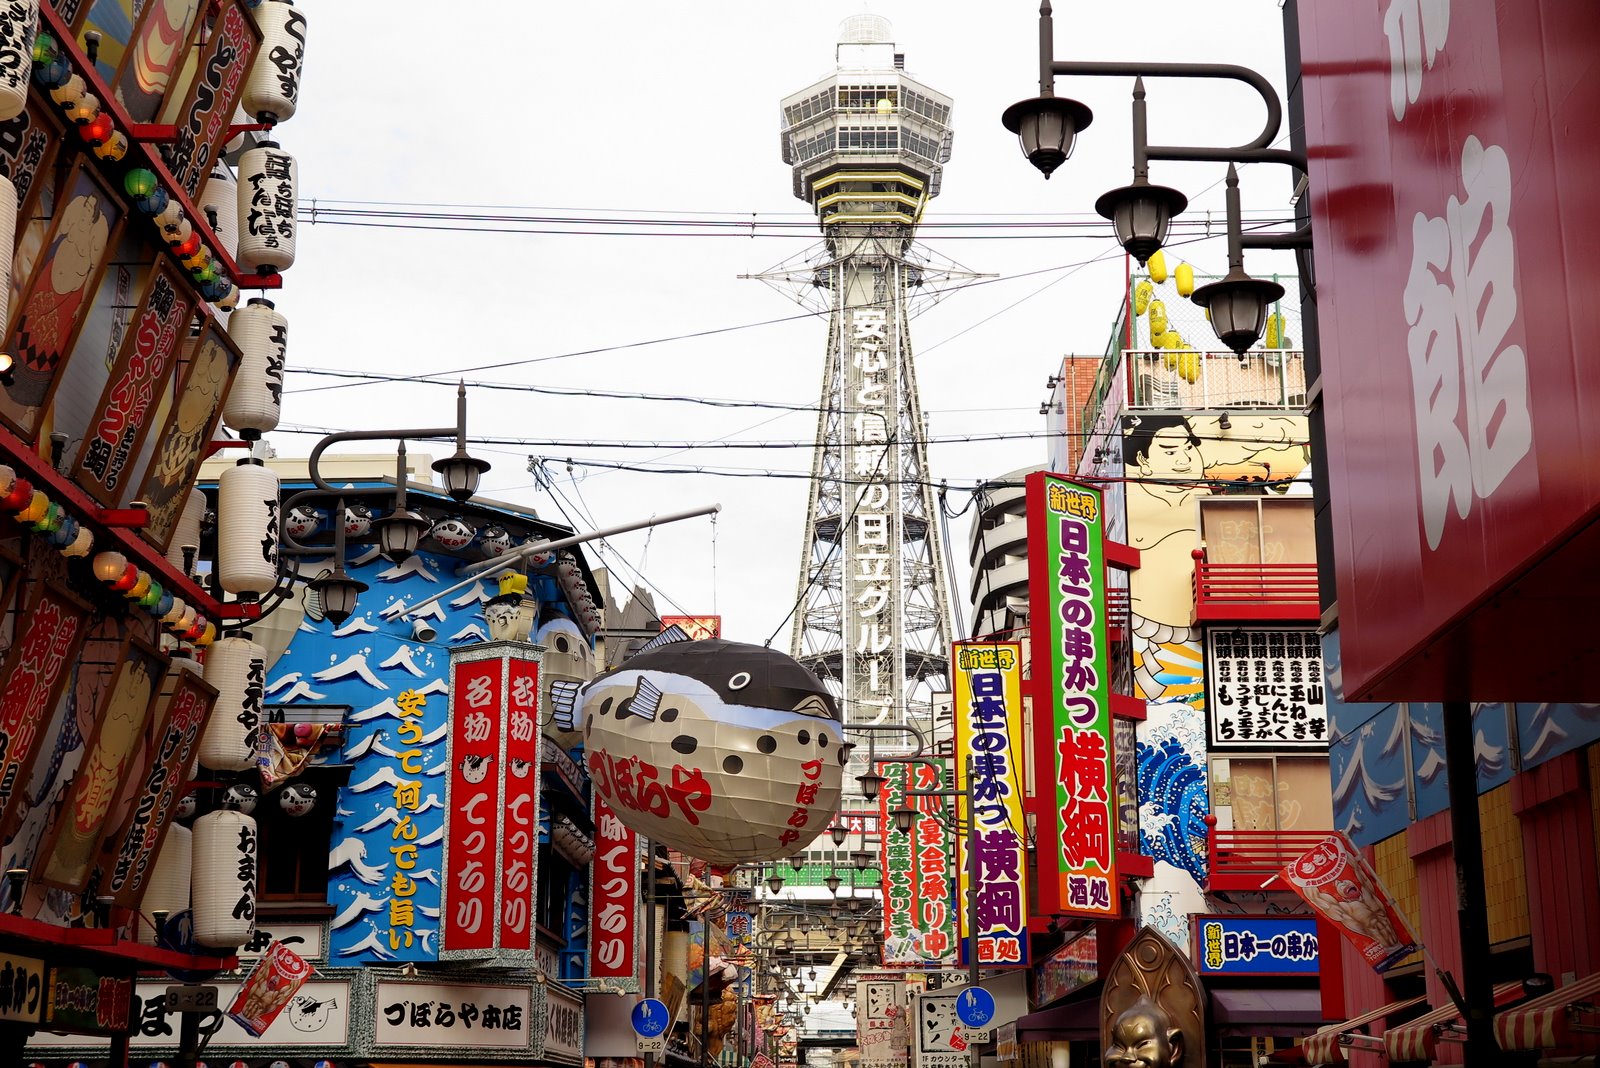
564,702
646,699
671,636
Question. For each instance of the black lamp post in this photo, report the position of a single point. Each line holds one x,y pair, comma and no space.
1141,213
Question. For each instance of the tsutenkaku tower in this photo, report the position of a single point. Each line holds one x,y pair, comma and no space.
867,145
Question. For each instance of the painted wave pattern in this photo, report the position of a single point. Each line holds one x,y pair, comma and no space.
1172,805
368,663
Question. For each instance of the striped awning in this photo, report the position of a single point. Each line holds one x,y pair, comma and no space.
1546,1022
1418,1039
1325,1046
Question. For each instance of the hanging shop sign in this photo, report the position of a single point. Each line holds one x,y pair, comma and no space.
82,1001
118,738
145,363
202,124
423,1017
491,798
882,1032
45,646
84,231
1265,687
563,1026
1072,704
1339,884
989,755
1072,967
1256,945
162,38
941,1041
28,145
210,364
614,927
919,922
21,989
128,860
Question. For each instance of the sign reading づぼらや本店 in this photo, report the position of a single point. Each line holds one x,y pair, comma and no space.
1073,742
492,805
1264,687
420,1016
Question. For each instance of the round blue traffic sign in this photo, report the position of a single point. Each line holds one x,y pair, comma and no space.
650,1017
975,1007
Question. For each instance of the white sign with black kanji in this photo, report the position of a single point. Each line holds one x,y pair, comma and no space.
1265,688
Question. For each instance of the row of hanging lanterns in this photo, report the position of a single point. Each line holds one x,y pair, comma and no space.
569,576
34,509
180,619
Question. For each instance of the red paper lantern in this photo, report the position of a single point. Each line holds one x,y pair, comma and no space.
185,249
20,497
129,579
97,131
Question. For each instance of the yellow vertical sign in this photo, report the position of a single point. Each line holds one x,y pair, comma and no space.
988,721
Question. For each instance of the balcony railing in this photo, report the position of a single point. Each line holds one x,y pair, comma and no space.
1188,378
1242,593
1251,860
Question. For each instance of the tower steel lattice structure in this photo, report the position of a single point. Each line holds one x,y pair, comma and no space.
867,145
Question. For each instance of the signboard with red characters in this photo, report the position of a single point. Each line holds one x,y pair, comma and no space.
614,926
491,804
1450,194
35,669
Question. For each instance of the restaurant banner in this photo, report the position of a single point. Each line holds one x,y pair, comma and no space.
1073,748
614,926
81,1001
1071,967
1256,945
882,1031
45,646
989,753
21,989
491,805
145,363
941,1039
223,66
1264,687
429,1017
1341,887
919,923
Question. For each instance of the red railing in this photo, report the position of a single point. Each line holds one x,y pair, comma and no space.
1236,593
1251,860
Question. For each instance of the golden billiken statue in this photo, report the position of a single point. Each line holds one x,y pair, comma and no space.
1142,1036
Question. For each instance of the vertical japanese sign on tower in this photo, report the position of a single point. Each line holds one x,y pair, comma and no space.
988,715
1077,853
492,803
871,565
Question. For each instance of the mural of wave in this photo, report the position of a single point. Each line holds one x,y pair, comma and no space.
1173,802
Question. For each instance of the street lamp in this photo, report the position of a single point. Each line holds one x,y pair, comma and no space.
1141,213
459,471
832,883
774,883
861,859
839,832
871,782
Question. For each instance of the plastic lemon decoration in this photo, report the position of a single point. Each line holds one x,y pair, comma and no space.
1158,319
1141,296
1158,266
1184,277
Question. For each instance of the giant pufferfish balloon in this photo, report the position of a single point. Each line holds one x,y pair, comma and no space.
730,752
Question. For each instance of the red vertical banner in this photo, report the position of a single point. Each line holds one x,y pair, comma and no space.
468,920
520,823
35,669
614,925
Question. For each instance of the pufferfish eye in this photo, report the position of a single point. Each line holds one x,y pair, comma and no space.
739,681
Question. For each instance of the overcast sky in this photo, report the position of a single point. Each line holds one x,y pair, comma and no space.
646,110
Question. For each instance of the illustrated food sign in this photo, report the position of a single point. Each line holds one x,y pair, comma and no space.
988,713
1256,945
941,1040
491,801
614,926
1264,687
919,913
1072,706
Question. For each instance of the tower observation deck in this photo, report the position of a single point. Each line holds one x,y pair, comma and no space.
867,146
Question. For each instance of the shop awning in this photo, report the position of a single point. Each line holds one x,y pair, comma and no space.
1075,1021
1282,1012
1325,1046
1547,1021
1418,1039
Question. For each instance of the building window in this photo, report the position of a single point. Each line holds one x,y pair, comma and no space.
1257,530
294,849
1270,793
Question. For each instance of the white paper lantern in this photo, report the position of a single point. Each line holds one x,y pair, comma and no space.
224,879
219,197
8,235
268,180
187,530
168,887
273,88
747,743
237,667
19,20
247,528
255,401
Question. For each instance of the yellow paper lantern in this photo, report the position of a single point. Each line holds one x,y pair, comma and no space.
1158,266
1183,277
115,147
140,588
37,507
1141,296
1158,319
1189,366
